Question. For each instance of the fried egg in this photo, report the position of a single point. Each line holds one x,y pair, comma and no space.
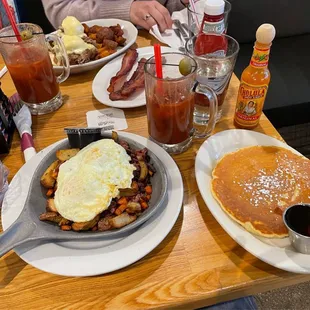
87,182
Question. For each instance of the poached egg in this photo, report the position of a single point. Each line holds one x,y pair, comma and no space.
73,32
75,44
87,182
72,27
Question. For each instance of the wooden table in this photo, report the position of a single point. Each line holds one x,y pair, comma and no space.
198,264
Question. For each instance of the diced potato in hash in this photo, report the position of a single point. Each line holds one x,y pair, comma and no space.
64,155
85,225
50,205
122,220
115,136
51,217
127,192
144,170
47,179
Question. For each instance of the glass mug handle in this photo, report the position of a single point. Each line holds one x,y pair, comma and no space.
65,60
204,130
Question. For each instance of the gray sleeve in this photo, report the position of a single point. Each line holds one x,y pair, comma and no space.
57,10
174,5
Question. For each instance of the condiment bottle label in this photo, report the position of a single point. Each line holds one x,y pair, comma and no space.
250,104
214,27
260,57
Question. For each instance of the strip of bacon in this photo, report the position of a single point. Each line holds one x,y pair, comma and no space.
136,82
128,61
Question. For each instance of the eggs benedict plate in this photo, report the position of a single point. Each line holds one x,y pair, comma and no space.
82,51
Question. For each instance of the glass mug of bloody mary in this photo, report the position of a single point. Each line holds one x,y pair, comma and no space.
170,102
30,66
216,56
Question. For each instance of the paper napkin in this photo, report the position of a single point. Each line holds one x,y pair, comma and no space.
108,119
169,37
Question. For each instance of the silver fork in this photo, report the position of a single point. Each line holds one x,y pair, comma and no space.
177,32
182,29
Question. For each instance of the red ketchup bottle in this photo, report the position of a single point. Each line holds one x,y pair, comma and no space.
213,22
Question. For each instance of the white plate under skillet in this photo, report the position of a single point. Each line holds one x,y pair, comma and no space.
276,252
86,258
130,33
102,80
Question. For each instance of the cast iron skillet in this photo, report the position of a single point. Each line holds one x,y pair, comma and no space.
28,227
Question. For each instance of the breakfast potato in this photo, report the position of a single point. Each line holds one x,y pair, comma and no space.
47,179
86,28
104,33
93,36
51,217
85,225
144,170
115,136
128,192
118,31
120,40
94,29
103,52
66,154
122,220
50,205
109,44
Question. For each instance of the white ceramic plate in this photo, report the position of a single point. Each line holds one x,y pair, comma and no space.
276,252
130,33
96,257
103,77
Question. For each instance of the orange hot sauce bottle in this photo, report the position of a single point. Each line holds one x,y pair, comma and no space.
254,81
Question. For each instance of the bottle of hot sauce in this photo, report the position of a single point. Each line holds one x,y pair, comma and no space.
212,23
255,80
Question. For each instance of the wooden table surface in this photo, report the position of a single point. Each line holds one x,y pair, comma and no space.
197,264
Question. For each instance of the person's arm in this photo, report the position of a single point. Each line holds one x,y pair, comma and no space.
57,10
175,5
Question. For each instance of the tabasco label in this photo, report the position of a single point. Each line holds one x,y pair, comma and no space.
250,104
260,57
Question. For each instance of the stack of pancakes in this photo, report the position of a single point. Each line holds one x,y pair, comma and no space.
254,186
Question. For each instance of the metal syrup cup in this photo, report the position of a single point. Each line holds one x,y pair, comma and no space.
300,242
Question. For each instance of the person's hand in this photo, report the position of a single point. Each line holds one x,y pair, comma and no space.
149,13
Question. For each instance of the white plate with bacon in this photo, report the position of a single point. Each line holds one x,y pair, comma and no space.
120,83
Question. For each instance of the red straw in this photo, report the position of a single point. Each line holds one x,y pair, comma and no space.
12,21
158,63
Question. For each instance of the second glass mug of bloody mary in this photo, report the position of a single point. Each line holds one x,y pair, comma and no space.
216,57
170,102
31,69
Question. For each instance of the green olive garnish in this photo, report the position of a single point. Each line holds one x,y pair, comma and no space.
185,66
26,35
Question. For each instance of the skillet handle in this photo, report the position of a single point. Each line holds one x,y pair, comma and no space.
18,233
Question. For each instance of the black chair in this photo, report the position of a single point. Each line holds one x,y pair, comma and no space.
32,11
288,97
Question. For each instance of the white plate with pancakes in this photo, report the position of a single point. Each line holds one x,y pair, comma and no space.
130,33
102,80
276,252
84,258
